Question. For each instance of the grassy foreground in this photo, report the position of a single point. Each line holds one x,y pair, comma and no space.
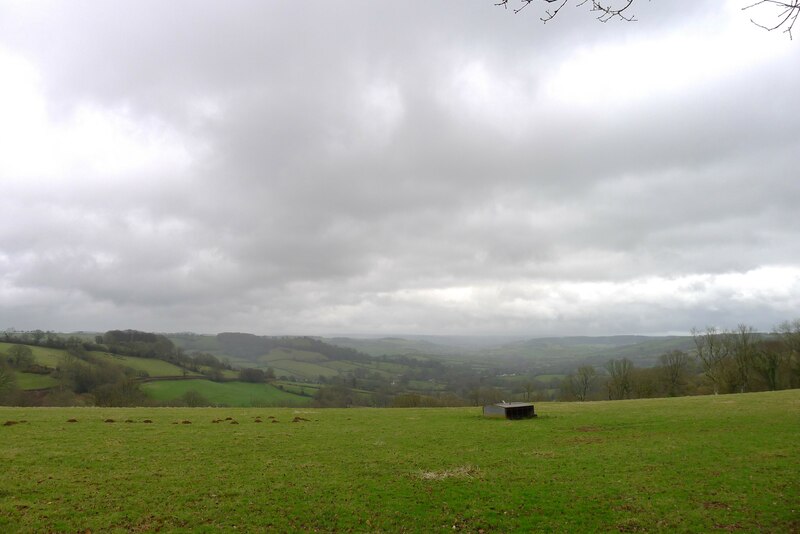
726,463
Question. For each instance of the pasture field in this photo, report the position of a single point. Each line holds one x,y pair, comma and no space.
52,357
43,355
34,381
223,393
425,385
151,366
282,353
555,379
694,464
298,388
300,369
226,373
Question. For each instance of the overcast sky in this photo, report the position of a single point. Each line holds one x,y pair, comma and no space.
375,167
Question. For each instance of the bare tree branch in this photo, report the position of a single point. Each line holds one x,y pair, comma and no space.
554,13
606,10
785,12
785,17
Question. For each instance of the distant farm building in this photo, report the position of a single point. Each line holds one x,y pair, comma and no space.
509,410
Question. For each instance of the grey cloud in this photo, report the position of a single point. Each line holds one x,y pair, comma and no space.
341,167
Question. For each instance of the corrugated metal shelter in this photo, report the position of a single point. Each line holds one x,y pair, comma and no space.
510,410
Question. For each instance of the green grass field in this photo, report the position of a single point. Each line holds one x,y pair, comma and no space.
303,370
51,358
34,381
699,464
282,353
223,393
298,387
151,366
43,355
425,385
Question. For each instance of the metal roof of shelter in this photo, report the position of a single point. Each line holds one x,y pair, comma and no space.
510,410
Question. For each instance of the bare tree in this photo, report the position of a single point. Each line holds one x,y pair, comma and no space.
674,368
528,387
712,350
789,333
743,348
8,380
21,356
620,381
581,382
768,361
782,13
605,11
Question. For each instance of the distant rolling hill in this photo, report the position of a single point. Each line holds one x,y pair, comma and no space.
552,354
161,380
307,359
634,347
395,346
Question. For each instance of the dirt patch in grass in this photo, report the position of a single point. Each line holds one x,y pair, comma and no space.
631,525
543,454
587,440
733,527
10,423
716,505
627,507
464,471
589,429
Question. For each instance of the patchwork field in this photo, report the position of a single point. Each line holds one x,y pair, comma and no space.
223,393
699,464
34,381
150,366
42,355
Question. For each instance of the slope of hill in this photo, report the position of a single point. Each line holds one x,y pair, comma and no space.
644,353
553,354
81,376
563,354
395,346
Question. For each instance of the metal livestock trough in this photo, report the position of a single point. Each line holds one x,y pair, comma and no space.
510,410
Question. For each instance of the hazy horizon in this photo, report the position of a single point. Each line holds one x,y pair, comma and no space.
391,335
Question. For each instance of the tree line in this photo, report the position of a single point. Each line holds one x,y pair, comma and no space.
723,361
